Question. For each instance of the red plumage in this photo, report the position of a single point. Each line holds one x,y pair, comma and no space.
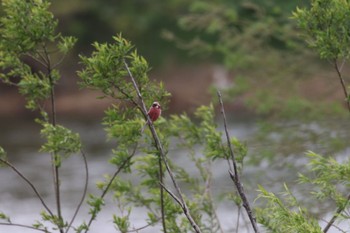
154,113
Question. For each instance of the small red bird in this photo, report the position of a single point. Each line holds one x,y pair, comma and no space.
154,113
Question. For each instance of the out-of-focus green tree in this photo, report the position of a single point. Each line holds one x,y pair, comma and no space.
275,75
141,21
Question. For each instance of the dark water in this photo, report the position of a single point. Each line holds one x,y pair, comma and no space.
21,139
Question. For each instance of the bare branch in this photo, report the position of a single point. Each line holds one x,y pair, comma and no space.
141,228
84,191
336,215
342,82
24,226
172,195
59,62
234,174
55,167
7,163
347,97
111,181
37,59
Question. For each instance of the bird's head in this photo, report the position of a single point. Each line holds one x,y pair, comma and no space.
156,105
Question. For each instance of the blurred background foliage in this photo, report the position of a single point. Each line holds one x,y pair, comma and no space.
269,71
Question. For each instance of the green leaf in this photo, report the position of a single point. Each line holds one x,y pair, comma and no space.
3,154
60,141
66,44
5,217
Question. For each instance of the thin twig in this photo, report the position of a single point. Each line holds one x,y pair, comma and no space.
336,215
347,97
208,193
238,218
29,183
59,62
172,195
23,226
55,167
36,59
141,228
342,82
342,65
162,208
111,182
234,174
162,154
84,191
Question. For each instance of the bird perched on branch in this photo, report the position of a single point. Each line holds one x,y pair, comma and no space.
154,113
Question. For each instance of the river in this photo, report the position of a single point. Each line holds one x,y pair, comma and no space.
21,139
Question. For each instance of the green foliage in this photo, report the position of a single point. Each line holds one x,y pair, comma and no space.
2,154
237,31
60,141
81,228
123,127
95,204
26,25
330,180
258,41
28,31
105,70
27,35
54,219
66,44
4,217
326,28
36,87
329,177
40,225
287,216
122,223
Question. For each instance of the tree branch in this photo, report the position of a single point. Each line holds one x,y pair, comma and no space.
172,195
336,215
235,174
110,183
342,82
141,228
23,226
84,191
7,163
162,154
347,97
55,167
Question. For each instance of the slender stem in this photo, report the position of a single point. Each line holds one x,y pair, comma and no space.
36,59
342,82
55,166
84,191
29,183
140,228
24,226
159,147
161,194
235,174
336,215
172,195
238,218
111,182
